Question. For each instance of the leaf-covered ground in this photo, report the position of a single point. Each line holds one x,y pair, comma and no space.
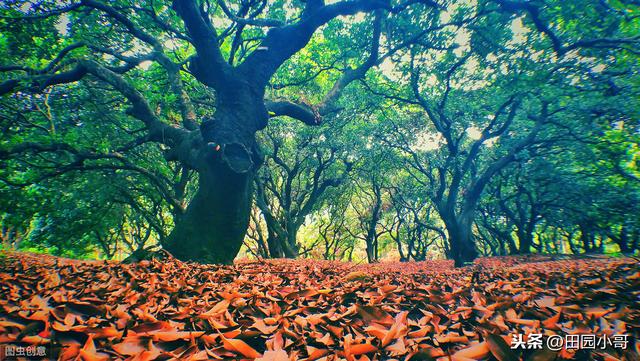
315,310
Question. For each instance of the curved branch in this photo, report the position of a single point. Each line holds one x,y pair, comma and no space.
157,130
78,164
311,115
208,66
39,79
558,45
301,112
245,21
49,13
351,75
281,43
141,110
186,108
50,67
42,81
124,20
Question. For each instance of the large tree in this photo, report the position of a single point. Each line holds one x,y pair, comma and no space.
201,101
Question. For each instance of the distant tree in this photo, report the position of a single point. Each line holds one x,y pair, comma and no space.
333,231
523,197
415,226
300,167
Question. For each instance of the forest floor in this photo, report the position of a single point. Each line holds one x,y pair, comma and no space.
319,310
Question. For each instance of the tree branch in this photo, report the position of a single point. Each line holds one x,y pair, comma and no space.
311,115
558,45
158,131
54,12
282,42
208,66
251,21
301,112
351,75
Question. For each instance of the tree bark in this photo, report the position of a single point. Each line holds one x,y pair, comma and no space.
290,245
215,222
586,237
526,240
461,243
275,248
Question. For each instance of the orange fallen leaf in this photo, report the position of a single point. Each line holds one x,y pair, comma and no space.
89,353
279,355
240,347
397,347
551,323
477,351
398,325
169,336
374,313
363,348
129,346
451,338
220,307
316,353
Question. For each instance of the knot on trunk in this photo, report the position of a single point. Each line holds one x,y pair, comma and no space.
237,157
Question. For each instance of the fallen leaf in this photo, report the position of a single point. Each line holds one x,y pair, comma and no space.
240,347
500,349
279,355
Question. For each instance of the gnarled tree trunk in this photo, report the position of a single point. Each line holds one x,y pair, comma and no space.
216,220
462,247
226,157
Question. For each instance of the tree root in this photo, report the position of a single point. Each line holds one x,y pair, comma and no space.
148,254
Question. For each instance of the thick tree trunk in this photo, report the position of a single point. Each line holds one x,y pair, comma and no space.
622,240
525,233
572,246
586,237
289,242
275,248
214,225
623,246
403,258
371,240
511,244
282,241
370,253
462,246
526,240
215,222
226,156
